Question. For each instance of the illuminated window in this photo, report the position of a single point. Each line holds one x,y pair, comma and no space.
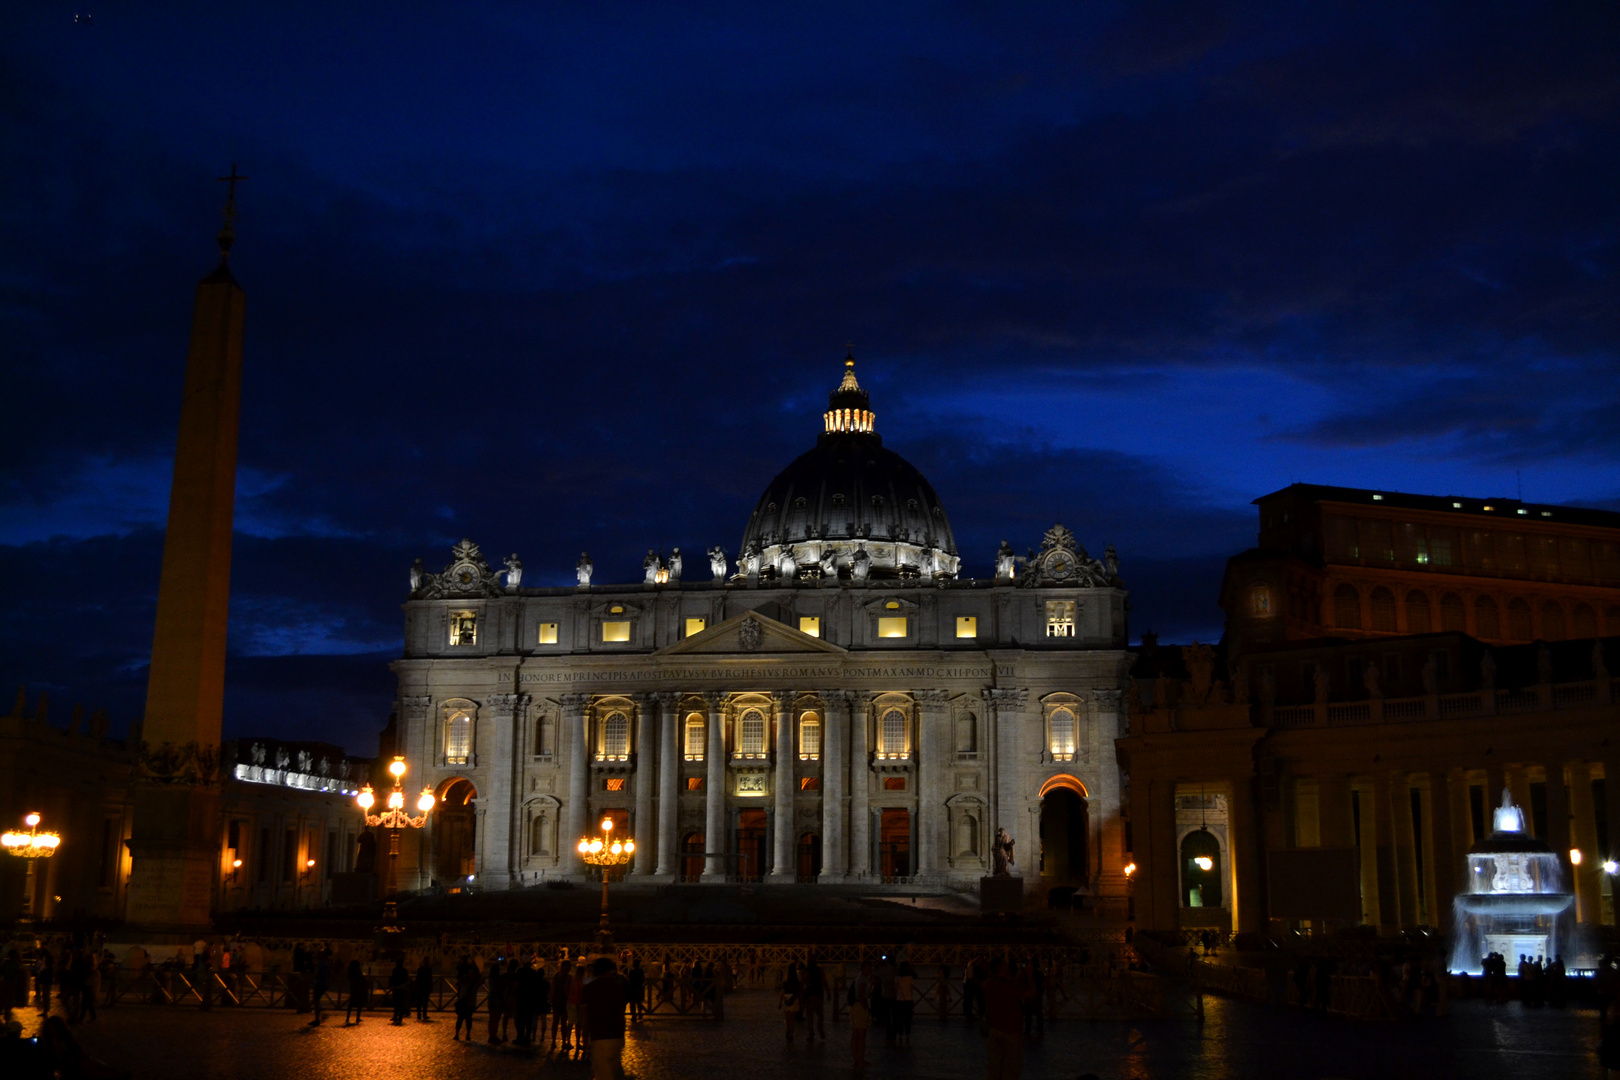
548,633
696,626
967,626
613,783
463,628
457,738
694,783
1260,600
810,737
617,630
892,735
892,626
615,738
894,783
694,737
751,734
810,783
1060,618
1063,734
810,624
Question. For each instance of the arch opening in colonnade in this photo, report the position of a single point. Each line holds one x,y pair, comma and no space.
455,829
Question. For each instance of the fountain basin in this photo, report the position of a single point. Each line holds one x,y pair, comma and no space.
1514,904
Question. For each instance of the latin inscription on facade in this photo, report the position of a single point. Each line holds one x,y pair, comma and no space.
752,673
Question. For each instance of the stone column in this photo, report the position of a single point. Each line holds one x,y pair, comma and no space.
1334,827
579,777
505,757
1248,915
1443,872
1007,766
860,789
783,870
642,828
1583,820
714,824
1389,894
668,783
834,767
1158,859
1105,810
1400,808
933,742
1558,818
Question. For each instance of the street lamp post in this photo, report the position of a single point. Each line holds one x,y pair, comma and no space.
608,853
395,819
32,846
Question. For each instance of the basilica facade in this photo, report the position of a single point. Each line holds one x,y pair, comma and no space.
837,704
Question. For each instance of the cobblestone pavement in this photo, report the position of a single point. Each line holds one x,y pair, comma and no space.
1238,1040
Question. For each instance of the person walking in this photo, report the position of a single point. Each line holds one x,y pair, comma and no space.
44,979
422,990
905,1003
788,1002
323,979
359,993
467,980
636,983
577,1010
814,996
399,990
604,998
1004,1013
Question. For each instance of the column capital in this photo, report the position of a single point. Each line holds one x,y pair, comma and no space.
1108,699
783,699
1006,697
714,699
668,699
934,698
507,703
842,698
574,703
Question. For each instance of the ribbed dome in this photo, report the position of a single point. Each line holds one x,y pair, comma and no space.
848,493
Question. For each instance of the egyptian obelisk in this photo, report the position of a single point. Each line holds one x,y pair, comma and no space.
174,841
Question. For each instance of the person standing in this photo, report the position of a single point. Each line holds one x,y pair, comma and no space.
860,1013
636,980
359,992
1004,1011
497,979
422,990
467,980
399,990
44,979
604,999
559,1004
323,979
788,1003
814,996
905,990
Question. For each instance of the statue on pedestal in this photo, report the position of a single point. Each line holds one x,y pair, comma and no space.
675,565
1006,561
1002,853
514,571
717,562
650,566
583,568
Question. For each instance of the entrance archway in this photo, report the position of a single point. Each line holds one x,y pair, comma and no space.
692,856
809,857
894,844
751,839
1201,870
455,827
1063,837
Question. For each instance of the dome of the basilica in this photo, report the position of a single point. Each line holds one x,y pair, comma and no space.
849,505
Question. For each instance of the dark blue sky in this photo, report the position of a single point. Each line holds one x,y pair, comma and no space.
574,276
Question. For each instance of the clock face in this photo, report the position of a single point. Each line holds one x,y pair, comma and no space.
1060,565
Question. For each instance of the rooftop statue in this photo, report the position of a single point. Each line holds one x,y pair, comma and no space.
583,568
718,562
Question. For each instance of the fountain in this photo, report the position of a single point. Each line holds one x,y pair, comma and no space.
1514,901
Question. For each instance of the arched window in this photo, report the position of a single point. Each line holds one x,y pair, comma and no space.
694,737
892,735
1063,735
751,737
1585,621
457,738
1552,621
616,737
1383,610
810,736
1417,613
1347,608
1453,615
1487,618
1519,628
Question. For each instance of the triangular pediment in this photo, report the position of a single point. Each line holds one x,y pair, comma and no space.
736,637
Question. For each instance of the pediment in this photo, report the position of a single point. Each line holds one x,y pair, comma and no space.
736,637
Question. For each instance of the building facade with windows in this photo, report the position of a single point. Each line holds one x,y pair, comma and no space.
837,704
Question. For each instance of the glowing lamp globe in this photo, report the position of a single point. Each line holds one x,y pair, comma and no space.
397,767
426,802
366,799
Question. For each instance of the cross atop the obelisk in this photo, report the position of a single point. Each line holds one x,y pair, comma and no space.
227,232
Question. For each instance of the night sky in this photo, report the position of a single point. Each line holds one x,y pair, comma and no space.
579,276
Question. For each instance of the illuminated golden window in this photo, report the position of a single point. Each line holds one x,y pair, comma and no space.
694,738
457,738
892,626
548,633
696,626
613,783
967,626
1062,735
810,737
893,735
694,783
893,605
616,630
1060,618
615,738
810,783
894,783
463,628
751,734
810,624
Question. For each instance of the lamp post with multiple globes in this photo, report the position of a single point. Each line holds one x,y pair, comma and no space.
32,846
395,819
608,853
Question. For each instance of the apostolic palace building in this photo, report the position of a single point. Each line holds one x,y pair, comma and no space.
836,704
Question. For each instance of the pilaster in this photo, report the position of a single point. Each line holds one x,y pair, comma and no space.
495,872
834,769
860,788
783,868
668,784
577,813
644,828
933,740
714,828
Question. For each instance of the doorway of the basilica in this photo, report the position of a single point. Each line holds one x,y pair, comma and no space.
809,857
455,826
1063,838
692,856
894,844
751,840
